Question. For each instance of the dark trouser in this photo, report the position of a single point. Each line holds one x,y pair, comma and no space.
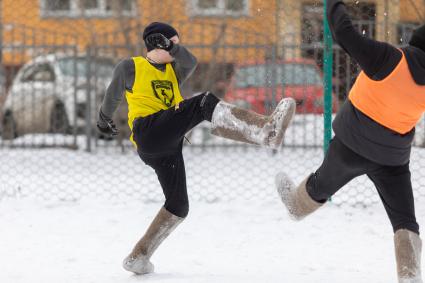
393,183
159,138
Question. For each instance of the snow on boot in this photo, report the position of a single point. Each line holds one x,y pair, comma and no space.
408,249
231,122
138,264
296,199
161,227
279,122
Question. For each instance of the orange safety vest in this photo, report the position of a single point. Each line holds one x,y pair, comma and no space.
395,102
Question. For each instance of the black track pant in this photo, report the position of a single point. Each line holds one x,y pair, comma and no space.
393,183
159,138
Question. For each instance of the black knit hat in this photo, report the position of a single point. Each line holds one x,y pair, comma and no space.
418,38
157,27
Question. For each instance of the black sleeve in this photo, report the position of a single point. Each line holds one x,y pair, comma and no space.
377,59
184,62
122,80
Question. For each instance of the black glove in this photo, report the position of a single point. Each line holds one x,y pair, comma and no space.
159,41
106,126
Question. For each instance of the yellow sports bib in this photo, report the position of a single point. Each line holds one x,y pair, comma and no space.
153,90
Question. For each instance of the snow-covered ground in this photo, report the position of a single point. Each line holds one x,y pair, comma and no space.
239,241
72,216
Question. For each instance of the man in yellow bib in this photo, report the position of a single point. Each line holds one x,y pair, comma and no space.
159,118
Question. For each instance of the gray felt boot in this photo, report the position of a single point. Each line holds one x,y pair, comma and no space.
231,122
408,249
162,226
296,199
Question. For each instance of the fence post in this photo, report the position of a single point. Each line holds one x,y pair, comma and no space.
88,102
327,70
75,83
274,78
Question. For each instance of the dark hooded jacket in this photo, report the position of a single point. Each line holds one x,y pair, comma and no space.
378,60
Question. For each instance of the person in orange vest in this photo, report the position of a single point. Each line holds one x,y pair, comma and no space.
374,132
159,118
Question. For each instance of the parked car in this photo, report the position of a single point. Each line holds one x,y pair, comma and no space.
49,94
251,85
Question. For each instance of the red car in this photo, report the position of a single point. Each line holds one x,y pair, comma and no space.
251,85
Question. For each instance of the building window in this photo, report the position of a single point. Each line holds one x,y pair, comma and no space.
90,4
87,8
57,5
219,7
363,19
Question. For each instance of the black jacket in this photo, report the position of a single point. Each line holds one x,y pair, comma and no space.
378,60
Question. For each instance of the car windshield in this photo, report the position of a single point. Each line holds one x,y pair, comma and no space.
101,67
288,74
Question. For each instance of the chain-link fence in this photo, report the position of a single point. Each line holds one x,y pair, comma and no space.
57,58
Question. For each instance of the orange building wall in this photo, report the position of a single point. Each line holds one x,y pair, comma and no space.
257,28
194,30
412,12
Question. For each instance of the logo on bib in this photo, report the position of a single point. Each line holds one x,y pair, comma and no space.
164,91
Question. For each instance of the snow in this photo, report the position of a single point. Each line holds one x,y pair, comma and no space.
241,241
213,175
72,216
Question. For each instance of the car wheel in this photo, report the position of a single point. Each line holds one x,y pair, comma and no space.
9,127
59,123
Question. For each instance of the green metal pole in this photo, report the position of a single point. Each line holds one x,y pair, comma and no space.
327,70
